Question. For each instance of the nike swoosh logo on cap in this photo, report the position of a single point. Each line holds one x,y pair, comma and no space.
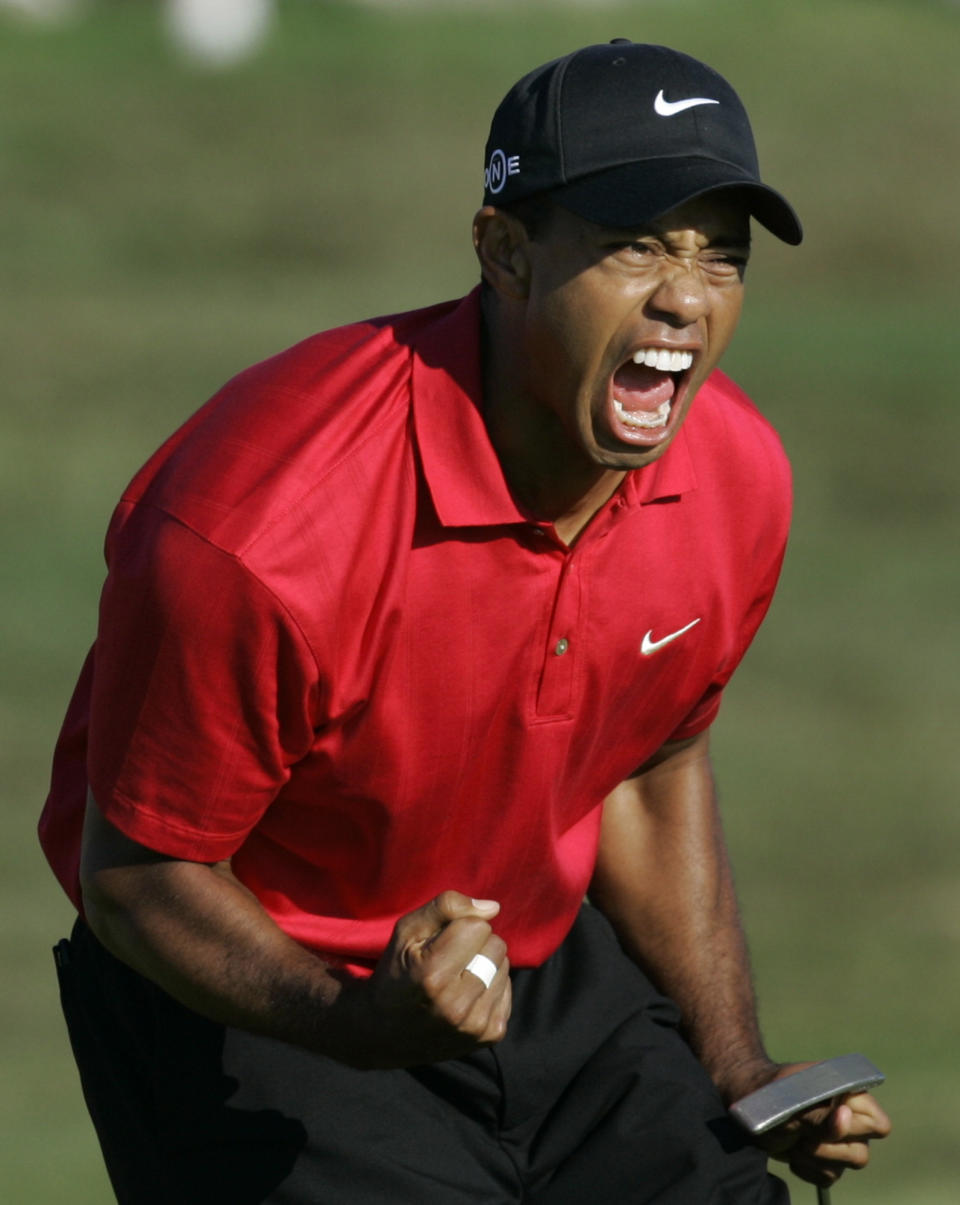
648,646
668,108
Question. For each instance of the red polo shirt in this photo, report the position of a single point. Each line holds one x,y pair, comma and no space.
334,649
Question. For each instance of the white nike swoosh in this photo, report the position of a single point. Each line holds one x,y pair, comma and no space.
649,646
668,108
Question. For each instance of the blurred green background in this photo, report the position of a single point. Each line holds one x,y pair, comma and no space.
164,225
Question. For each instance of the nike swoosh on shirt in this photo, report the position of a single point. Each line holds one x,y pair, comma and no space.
670,108
648,646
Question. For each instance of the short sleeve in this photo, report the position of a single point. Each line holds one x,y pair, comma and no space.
203,691
766,557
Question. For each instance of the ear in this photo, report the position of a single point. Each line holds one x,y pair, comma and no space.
502,243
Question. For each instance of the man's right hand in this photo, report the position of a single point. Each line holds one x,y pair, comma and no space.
422,1005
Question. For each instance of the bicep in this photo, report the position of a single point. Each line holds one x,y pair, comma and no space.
668,791
662,818
118,874
105,847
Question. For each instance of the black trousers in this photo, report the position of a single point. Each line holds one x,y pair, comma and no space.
593,1098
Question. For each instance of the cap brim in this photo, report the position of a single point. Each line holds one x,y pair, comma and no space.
634,193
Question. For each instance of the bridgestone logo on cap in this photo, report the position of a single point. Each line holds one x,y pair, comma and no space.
498,169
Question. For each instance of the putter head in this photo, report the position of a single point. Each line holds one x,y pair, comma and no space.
781,1099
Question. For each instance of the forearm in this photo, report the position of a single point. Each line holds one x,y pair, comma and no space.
663,879
698,957
202,937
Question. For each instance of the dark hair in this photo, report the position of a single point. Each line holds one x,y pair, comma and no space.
535,212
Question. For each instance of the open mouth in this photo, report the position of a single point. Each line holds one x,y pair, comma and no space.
645,389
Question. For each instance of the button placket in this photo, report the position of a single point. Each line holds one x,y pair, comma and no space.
555,695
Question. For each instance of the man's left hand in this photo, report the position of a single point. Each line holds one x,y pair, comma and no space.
829,1139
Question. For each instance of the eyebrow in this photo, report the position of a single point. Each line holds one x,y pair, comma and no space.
740,236
729,238
735,242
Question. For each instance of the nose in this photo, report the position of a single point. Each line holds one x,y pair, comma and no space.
680,297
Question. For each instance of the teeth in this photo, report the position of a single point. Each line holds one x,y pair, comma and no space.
643,418
663,360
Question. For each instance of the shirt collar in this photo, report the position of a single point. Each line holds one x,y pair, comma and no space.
461,467
669,477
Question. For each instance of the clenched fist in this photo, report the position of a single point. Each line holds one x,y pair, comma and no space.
422,1004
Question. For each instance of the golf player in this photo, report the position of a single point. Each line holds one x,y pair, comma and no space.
385,796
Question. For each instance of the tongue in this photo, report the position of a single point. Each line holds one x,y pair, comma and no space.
637,387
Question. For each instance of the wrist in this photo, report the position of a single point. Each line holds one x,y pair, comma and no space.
735,1079
342,1021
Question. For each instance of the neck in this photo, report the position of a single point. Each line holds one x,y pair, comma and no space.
547,473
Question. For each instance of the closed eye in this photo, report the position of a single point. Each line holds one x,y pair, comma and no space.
726,263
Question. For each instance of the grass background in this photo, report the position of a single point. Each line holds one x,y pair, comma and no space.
163,226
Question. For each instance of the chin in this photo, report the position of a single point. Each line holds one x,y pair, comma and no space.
624,456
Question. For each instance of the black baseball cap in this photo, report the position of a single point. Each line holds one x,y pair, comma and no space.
623,132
